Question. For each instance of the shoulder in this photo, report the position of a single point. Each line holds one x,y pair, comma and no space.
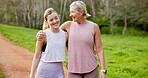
65,33
92,23
96,28
65,25
46,30
46,33
62,31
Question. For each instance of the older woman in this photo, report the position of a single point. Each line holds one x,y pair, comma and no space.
84,35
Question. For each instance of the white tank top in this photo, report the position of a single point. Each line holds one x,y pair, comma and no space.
55,48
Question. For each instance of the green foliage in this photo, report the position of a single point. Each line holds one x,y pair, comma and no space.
126,56
105,30
100,20
136,31
1,73
118,31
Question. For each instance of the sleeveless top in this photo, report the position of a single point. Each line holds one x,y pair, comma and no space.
56,47
81,58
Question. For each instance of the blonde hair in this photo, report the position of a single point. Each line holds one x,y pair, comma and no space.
46,13
80,6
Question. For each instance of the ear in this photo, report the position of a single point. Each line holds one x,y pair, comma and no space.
82,12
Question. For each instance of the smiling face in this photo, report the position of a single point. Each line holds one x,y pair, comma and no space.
75,14
53,20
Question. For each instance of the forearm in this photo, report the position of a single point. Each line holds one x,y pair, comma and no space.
35,63
102,58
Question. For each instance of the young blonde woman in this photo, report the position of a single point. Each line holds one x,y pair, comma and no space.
84,35
48,63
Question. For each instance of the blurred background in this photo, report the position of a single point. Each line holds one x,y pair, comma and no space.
113,16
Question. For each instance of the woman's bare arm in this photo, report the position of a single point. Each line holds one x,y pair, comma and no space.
66,26
37,56
99,49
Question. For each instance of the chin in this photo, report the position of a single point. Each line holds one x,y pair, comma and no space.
75,20
56,27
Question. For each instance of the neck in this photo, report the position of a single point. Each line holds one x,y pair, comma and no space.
54,30
82,21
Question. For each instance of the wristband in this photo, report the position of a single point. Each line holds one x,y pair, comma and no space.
104,71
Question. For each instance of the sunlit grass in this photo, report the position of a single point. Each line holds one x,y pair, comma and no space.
24,37
1,73
126,56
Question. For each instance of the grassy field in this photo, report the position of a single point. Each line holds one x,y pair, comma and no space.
1,73
126,56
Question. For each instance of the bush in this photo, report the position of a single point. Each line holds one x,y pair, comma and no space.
129,31
105,30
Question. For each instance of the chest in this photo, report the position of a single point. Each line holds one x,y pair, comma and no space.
56,40
81,33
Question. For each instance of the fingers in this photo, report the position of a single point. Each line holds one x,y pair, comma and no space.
102,75
40,35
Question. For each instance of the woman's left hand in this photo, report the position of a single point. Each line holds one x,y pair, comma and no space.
102,75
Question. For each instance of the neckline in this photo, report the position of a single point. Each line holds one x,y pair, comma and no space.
82,23
55,32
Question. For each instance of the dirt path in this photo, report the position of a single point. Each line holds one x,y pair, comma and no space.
15,60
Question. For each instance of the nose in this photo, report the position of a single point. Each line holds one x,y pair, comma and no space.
70,15
54,21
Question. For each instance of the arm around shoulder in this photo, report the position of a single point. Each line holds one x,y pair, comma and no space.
65,26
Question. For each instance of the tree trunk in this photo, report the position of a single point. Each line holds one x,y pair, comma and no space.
29,19
111,25
61,7
64,11
35,19
16,17
125,17
125,25
93,9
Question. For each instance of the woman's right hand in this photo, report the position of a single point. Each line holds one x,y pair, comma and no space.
40,35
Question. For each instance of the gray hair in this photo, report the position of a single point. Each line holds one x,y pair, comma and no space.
80,6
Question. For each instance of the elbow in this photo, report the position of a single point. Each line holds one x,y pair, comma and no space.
100,50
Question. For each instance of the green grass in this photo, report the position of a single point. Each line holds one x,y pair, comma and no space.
24,37
1,73
126,56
